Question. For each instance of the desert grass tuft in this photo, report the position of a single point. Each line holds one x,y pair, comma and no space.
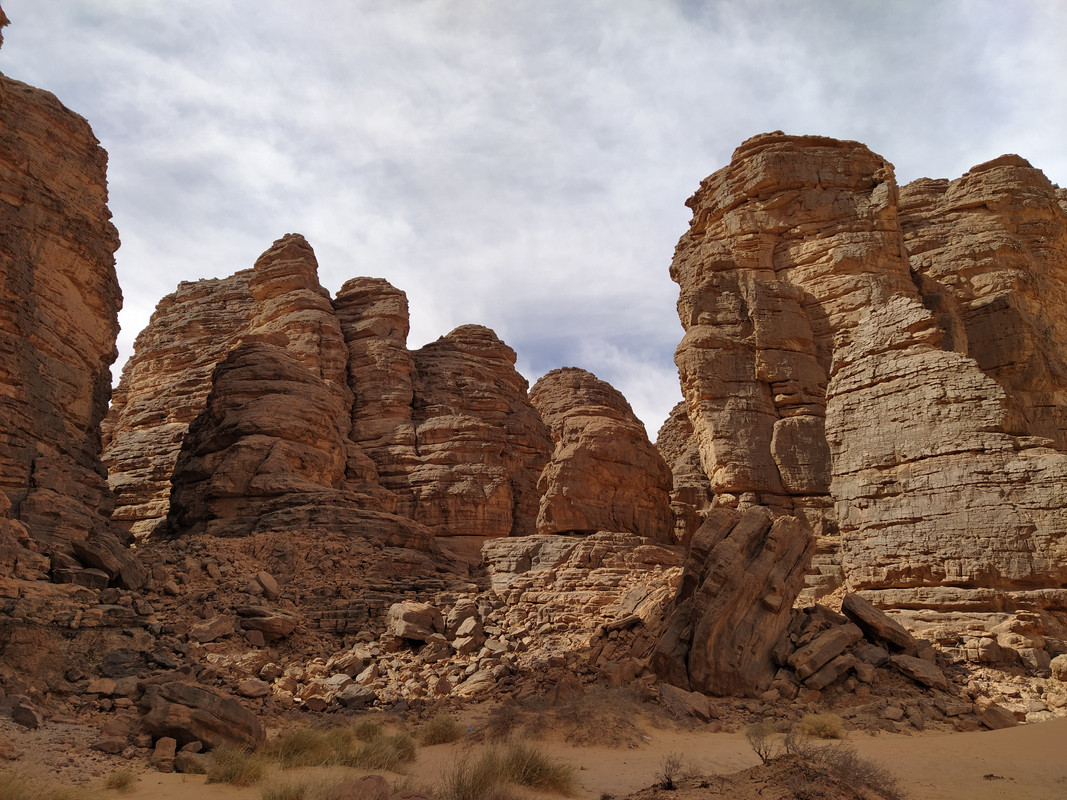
490,774
823,726
122,781
14,786
238,766
441,729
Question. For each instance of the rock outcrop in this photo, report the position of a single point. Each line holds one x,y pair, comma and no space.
269,452
691,492
826,373
165,384
444,436
604,473
59,302
480,443
742,575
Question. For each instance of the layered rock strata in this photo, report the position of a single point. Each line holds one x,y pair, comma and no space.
444,436
59,302
691,493
165,384
742,575
604,473
819,382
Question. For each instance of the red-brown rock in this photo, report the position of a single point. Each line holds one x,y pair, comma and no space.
604,473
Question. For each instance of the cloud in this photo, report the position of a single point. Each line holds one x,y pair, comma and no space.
522,165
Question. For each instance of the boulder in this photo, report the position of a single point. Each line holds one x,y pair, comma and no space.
822,649
412,620
921,671
877,625
734,603
189,712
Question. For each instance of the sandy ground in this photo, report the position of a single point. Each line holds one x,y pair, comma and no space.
1025,762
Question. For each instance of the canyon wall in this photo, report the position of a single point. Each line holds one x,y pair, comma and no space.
886,364
59,302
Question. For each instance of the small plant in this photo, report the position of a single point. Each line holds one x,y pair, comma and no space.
366,730
313,788
238,766
442,729
487,776
670,771
527,765
122,781
473,778
759,736
823,726
301,747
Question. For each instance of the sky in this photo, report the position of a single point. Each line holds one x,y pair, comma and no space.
520,164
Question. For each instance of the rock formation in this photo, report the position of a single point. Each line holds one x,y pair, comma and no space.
165,384
59,302
742,575
604,473
444,436
826,373
691,493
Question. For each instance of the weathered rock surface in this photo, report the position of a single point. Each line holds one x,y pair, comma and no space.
691,492
189,712
481,445
742,575
165,384
269,453
59,302
604,473
825,372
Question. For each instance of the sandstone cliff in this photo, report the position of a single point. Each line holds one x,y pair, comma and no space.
604,474
444,436
59,302
829,373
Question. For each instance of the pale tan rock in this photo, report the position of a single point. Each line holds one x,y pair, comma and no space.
604,474
828,645
824,371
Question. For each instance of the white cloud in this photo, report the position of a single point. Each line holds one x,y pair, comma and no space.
522,165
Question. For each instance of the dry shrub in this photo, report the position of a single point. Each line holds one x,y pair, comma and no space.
759,736
122,781
14,786
364,745
826,763
489,775
237,766
823,726
441,729
672,769
602,715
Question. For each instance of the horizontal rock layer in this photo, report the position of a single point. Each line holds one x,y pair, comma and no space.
882,367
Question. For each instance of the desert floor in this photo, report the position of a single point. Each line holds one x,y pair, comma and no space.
1025,762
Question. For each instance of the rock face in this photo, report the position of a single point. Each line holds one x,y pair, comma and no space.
828,368
742,576
449,426
604,473
311,397
691,492
165,384
480,443
59,302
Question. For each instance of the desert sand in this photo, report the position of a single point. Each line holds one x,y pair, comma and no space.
1024,762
